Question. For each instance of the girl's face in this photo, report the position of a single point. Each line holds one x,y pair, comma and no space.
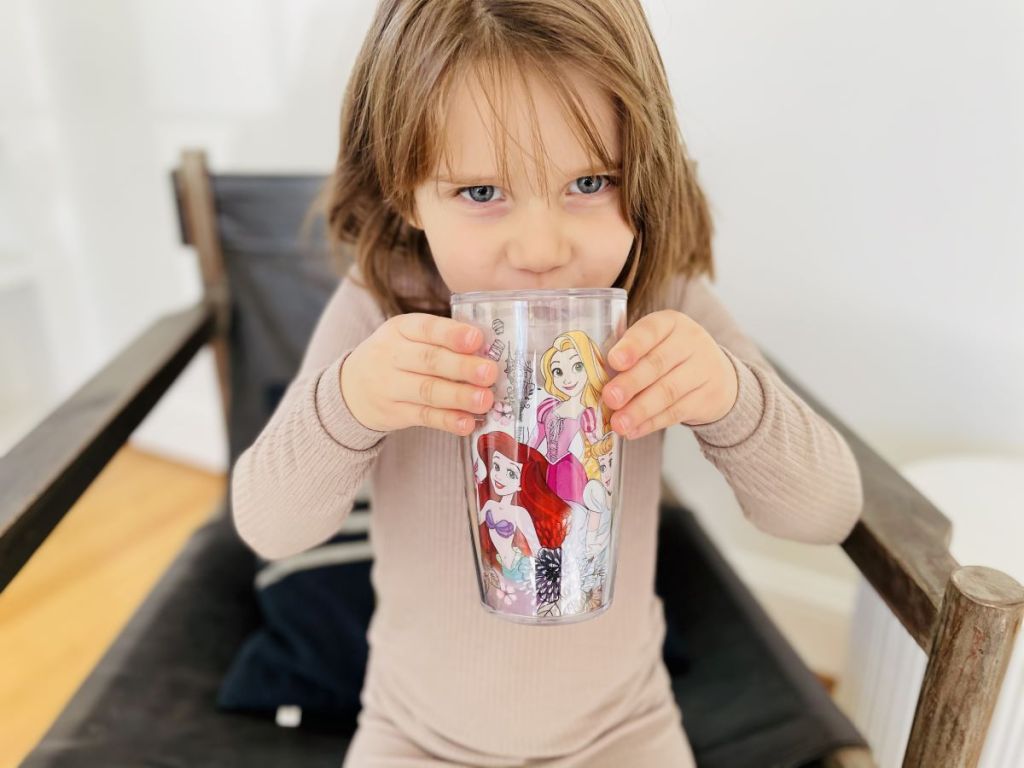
605,462
486,237
505,474
568,372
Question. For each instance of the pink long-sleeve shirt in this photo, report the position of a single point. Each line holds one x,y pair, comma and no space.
446,671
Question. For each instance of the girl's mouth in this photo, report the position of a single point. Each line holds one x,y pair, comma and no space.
570,386
498,485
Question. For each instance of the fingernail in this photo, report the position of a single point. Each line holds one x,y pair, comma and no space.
481,372
619,358
463,424
479,397
624,423
613,395
471,336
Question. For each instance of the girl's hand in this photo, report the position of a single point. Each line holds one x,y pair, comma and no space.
674,371
419,369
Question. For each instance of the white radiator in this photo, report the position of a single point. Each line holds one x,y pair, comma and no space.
882,677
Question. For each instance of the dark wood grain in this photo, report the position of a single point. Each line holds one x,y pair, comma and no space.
197,212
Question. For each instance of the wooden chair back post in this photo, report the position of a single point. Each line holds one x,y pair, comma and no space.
199,229
974,638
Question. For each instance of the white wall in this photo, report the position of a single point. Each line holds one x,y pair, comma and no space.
97,100
865,165
864,162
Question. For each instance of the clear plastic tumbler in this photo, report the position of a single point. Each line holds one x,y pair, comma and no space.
543,466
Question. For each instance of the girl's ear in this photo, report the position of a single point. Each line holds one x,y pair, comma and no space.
412,219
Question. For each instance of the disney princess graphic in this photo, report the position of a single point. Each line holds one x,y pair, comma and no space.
574,374
585,549
521,518
597,495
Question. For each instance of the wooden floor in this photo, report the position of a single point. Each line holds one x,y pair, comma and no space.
73,597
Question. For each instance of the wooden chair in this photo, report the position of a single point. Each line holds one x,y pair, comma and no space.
964,618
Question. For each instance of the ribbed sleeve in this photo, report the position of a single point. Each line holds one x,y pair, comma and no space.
293,487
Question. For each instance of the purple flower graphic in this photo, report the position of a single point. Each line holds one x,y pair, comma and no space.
549,571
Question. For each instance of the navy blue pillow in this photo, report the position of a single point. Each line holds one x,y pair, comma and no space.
311,651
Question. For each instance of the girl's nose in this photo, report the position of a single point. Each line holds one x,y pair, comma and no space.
538,243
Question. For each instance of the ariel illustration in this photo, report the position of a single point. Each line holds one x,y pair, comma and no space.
574,375
520,516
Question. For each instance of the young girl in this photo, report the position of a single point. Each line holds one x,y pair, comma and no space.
490,144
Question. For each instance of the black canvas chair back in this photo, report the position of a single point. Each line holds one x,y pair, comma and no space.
279,280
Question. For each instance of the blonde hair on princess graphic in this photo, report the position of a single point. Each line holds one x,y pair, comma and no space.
592,453
593,365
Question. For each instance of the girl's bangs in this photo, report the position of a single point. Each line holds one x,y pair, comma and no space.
500,77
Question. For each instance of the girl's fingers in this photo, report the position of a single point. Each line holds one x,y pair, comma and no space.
676,413
441,393
441,331
661,421
456,422
640,338
434,360
656,363
667,392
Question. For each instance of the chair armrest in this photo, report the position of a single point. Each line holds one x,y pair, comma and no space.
45,473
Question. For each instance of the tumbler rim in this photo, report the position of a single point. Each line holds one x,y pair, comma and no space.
538,293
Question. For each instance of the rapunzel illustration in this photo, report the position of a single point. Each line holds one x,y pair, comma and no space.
520,517
574,375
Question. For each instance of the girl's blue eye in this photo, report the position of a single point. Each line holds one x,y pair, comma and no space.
585,185
589,185
481,194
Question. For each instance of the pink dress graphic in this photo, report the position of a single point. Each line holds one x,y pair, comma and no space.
566,475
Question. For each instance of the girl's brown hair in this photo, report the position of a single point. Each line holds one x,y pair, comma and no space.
392,121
